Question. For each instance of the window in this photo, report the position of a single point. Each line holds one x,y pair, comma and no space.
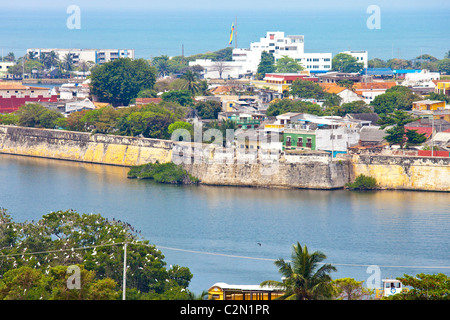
300,142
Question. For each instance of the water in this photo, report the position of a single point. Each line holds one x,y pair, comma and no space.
215,231
405,33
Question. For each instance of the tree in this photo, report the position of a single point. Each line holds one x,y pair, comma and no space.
362,182
349,107
162,65
220,66
350,289
37,116
343,62
119,81
307,90
397,119
424,287
398,64
395,98
286,105
286,64
376,63
208,109
191,82
183,97
414,138
443,66
93,243
305,277
266,64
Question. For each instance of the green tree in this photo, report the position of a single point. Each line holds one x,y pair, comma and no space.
395,98
376,63
424,287
266,64
192,84
208,109
397,119
396,64
343,62
443,66
414,138
119,81
37,116
180,125
305,277
349,107
286,64
362,182
286,105
350,289
307,90
183,97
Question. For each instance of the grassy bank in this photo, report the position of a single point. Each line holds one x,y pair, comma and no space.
162,173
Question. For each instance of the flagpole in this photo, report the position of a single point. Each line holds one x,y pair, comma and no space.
235,32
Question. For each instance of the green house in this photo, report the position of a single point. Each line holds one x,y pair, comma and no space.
298,139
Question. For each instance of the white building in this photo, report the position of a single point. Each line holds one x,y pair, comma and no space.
423,79
97,56
246,61
361,56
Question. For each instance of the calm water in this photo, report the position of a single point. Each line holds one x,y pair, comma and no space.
404,33
219,228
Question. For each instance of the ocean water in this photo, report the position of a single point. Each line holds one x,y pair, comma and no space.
402,34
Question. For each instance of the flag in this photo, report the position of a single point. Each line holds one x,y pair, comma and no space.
231,33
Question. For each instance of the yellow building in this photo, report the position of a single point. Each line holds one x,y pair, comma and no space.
223,291
442,86
428,105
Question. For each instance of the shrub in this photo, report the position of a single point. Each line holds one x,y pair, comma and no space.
162,173
363,182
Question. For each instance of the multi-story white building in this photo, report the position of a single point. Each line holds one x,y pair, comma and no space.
97,56
361,56
246,61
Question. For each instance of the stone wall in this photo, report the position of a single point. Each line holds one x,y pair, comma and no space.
84,147
403,172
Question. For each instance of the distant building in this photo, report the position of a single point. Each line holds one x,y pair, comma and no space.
97,56
361,56
15,94
428,105
4,66
345,94
245,61
369,90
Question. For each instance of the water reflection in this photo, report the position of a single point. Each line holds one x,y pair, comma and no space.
375,227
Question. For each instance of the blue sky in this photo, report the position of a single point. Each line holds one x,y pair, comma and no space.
233,4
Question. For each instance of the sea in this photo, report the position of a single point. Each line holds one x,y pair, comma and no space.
398,33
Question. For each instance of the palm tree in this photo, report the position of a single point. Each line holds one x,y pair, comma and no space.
191,82
303,278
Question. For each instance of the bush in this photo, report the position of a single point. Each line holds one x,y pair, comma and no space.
162,173
363,182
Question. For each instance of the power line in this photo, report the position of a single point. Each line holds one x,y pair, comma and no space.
211,254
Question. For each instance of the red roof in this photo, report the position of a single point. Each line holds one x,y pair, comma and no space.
427,130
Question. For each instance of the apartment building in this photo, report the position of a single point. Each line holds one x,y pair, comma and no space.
98,56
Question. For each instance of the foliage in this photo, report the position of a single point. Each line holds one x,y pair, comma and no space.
208,109
266,64
90,241
286,64
424,287
350,289
362,182
439,96
443,66
119,81
395,98
349,107
9,118
183,97
162,173
286,105
307,90
37,116
305,277
343,62
414,138
397,119
192,84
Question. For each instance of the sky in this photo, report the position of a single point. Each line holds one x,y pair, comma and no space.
231,4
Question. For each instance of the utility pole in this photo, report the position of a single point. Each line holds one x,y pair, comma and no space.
124,286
